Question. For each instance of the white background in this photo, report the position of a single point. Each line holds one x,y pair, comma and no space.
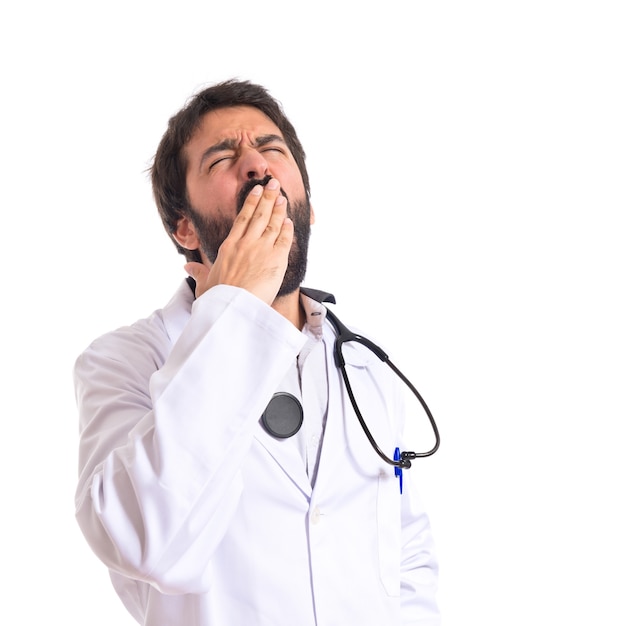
467,161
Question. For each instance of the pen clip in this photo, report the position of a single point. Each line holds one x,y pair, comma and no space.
398,469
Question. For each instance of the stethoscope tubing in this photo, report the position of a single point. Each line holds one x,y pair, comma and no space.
344,335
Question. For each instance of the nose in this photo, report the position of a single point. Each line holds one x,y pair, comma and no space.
253,164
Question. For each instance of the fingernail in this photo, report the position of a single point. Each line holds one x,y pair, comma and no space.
256,190
273,184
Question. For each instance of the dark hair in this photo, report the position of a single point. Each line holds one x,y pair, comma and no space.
169,167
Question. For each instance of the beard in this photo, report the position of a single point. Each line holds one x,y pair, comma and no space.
212,232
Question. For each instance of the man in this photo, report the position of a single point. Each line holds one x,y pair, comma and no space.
224,477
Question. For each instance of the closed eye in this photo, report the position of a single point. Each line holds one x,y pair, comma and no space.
220,160
226,149
271,143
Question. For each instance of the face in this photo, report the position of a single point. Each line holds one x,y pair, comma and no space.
234,149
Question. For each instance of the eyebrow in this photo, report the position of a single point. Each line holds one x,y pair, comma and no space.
231,144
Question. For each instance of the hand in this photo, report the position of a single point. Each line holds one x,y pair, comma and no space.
255,254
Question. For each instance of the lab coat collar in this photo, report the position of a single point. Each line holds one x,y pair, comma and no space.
177,311
317,295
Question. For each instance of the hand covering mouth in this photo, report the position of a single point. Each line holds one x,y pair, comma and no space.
248,186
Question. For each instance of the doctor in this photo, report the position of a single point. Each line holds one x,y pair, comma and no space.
202,513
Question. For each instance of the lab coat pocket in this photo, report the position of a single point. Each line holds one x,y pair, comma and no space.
389,533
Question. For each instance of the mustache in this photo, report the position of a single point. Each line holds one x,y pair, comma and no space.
249,185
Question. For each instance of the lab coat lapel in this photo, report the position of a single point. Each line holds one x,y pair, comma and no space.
340,434
286,452
287,456
334,442
344,437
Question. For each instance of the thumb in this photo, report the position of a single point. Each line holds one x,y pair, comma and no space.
197,271
200,273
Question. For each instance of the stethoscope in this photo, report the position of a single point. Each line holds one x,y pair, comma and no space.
283,416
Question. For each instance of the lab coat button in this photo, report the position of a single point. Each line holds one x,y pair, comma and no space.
315,516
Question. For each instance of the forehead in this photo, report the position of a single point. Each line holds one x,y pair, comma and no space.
233,122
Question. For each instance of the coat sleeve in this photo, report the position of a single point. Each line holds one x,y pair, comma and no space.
163,431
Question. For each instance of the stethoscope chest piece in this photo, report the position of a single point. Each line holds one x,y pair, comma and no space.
283,416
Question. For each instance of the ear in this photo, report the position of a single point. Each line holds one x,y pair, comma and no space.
312,216
185,234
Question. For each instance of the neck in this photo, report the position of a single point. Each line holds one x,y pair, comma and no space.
289,306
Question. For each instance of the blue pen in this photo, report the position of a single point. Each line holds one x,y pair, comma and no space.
396,457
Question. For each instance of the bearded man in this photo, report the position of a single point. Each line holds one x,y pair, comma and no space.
224,476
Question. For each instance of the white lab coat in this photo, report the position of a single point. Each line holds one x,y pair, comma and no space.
203,518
